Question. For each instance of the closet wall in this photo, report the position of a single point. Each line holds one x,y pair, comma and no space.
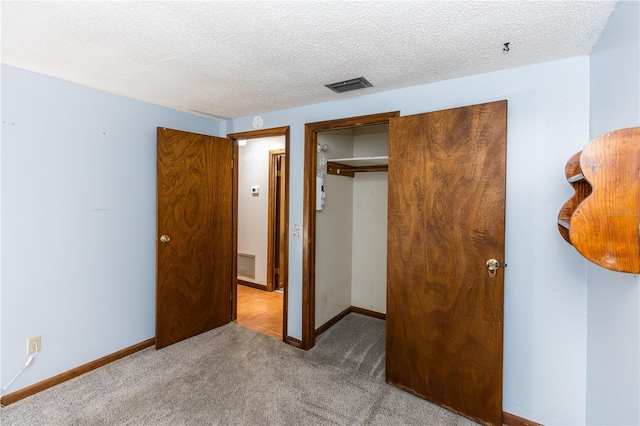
369,258
334,232
351,230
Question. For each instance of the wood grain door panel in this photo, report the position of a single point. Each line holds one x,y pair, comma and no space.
194,208
446,219
282,219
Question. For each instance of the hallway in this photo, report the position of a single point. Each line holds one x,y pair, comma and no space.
260,310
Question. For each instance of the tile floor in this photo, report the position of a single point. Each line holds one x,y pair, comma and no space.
260,310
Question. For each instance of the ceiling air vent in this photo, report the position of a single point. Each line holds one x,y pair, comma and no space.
353,84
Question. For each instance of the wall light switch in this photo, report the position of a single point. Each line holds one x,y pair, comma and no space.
255,190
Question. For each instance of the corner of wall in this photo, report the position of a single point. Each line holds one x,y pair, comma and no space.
613,299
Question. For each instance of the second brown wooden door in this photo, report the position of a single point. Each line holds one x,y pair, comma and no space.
446,219
282,222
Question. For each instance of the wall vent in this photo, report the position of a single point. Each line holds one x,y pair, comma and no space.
347,85
247,265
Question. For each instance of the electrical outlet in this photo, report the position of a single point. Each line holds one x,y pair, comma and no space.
33,345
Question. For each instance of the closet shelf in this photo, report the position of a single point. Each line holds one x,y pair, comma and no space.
349,166
576,178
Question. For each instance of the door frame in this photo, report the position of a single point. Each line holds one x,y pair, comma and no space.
273,218
255,134
309,212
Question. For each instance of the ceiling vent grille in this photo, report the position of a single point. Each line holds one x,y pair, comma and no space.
347,85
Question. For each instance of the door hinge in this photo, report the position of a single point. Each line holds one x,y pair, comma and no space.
279,174
232,164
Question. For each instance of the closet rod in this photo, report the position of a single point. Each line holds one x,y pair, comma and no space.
362,169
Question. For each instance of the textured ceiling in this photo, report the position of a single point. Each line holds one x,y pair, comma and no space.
232,59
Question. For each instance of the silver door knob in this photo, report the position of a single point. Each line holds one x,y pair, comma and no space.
165,238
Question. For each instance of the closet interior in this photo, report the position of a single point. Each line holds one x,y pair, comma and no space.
351,222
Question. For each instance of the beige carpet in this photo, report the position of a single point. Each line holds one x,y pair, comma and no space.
235,376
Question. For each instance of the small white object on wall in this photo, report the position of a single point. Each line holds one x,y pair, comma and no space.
320,195
257,122
255,190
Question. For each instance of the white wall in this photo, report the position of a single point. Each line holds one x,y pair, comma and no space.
253,170
370,190
545,292
333,234
78,197
613,373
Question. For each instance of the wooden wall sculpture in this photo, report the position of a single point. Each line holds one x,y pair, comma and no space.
602,219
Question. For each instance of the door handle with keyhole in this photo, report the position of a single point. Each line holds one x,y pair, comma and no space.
165,238
492,267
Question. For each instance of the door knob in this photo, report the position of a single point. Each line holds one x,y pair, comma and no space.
165,238
492,267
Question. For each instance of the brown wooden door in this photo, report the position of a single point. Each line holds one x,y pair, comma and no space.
194,212
282,224
446,219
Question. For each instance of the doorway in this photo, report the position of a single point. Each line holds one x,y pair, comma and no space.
276,218
351,224
309,213
261,182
